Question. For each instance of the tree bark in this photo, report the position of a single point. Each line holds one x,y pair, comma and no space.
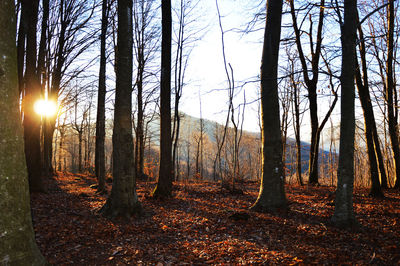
100,166
123,200
311,85
17,240
32,93
344,215
390,88
164,183
272,194
369,119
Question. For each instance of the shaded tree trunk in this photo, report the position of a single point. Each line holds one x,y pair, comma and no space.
32,93
21,44
272,193
311,84
100,166
42,76
164,182
123,200
139,148
369,119
17,244
344,215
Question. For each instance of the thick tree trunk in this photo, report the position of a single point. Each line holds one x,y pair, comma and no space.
164,183
123,200
32,93
344,214
272,193
17,240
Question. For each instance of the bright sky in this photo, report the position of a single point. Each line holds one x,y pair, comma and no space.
206,74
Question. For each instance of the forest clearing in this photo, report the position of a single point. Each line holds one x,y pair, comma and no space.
203,224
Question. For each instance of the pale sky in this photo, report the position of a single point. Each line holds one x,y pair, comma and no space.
206,73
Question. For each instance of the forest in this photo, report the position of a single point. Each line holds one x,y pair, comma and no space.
144,132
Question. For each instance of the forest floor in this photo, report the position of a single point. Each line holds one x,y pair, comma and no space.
201,225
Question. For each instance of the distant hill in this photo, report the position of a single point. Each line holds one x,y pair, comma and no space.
190,124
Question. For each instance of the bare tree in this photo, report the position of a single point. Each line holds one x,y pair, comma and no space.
32,93
272,191
145,43
123,200
311,83
371,135
18,246
164,182
100,167
344,214
68,20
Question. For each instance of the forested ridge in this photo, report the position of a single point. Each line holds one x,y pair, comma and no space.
199,132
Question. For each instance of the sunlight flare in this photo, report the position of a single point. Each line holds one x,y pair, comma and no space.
45,107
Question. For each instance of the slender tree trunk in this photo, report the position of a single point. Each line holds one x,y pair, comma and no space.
392,122
17,244
100,166
297,130
21,44
369,118
272,192
56,80
164,182
314,148
80,137
344,214
123,200
32,94
139,149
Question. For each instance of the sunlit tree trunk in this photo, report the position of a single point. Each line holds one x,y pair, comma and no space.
164,182
17,240
344,214
272,192
123,200
390,89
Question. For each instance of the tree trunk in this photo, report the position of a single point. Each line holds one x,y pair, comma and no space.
369,118
123,200
392,122
314,148
164,183
32,93
297,130
47,148
17,240
139,149
22,29
344,214
272,193
100,165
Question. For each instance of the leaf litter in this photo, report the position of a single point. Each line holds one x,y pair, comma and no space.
203,224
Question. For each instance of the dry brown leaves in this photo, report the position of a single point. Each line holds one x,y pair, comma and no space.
196,227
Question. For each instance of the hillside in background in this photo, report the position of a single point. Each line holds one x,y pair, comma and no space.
191,123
